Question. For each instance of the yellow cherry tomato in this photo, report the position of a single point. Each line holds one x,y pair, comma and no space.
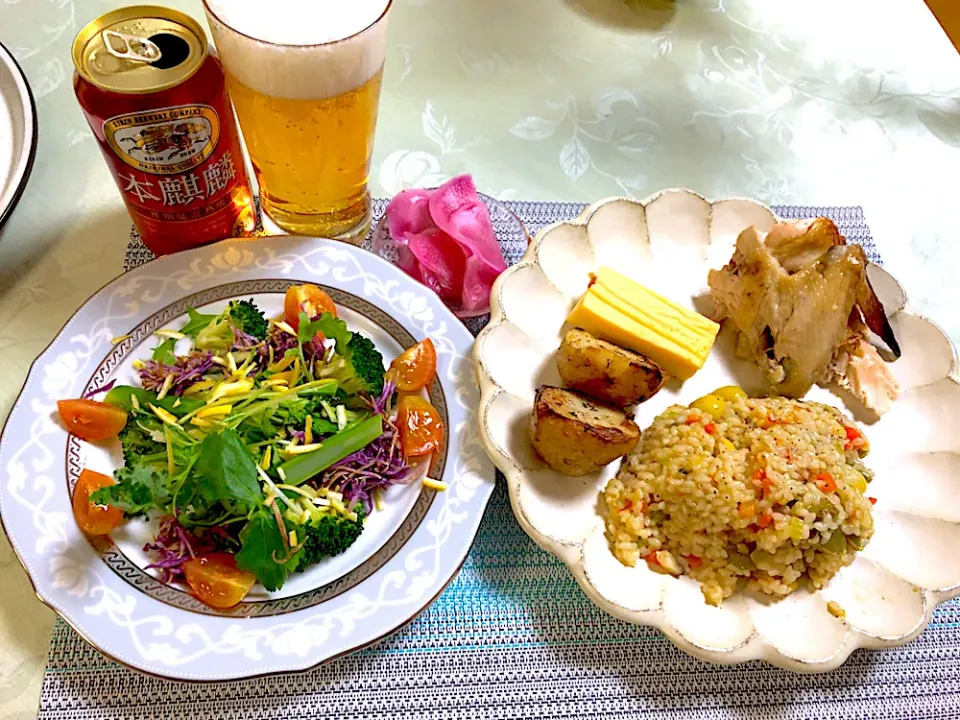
711,405
730,393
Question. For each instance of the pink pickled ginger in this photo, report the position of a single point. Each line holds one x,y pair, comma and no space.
442,263
409,212
477,282
445,239
457,209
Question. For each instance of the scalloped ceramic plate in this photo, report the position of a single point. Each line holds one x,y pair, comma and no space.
405,557
668,243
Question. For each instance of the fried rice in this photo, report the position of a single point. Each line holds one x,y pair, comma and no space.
771,492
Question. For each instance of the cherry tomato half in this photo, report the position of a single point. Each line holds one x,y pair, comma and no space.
91,419
94,519
420,427
216,581
417,367
306,298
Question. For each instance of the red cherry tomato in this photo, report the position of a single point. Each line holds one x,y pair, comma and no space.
419,425
216,581
94,519
306,298
91,419
416,368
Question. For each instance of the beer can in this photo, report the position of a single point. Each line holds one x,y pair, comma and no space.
155,97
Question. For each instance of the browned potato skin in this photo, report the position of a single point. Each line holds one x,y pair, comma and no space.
577,436
606,371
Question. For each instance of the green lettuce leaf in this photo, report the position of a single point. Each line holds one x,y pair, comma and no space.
165,352
261,548
229,469
331,327
121,394
197,322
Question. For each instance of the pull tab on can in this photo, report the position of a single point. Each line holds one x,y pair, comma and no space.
130,47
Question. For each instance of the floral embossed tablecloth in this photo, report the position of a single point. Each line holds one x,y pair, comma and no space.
854,103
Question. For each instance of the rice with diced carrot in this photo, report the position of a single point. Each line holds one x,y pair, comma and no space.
769,491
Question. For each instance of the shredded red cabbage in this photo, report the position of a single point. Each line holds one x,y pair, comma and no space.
96,391
378,465
381,403
315,349
243,341
187,370
175,545
280,341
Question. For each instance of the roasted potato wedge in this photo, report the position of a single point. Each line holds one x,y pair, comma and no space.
576,436
607,372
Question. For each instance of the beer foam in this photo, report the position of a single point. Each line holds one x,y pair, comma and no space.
292,49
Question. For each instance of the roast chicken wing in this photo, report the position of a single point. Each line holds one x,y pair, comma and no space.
801,301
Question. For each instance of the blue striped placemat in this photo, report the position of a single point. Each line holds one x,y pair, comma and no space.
514,637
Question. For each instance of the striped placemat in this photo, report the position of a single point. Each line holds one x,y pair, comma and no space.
514,637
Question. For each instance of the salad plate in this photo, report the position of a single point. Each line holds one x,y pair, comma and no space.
668,243
410,547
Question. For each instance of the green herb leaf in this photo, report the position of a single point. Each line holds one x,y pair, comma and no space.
121,394
198,321
165,352
195,499
331,327
139,488
229,468
307,329
261,547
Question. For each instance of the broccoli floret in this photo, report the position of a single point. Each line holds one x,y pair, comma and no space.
294,414
139,488
218,336
364,372
358,366
328,536
138,443
247,317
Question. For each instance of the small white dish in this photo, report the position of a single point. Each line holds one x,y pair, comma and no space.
507,227
18,133
668,242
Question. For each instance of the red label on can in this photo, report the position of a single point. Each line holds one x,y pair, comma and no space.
175,154
175,172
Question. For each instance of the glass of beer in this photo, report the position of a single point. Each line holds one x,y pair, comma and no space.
304,77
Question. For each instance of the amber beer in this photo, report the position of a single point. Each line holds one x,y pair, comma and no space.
304,77
155,98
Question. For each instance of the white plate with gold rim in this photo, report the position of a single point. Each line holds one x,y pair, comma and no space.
403,560
668,242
